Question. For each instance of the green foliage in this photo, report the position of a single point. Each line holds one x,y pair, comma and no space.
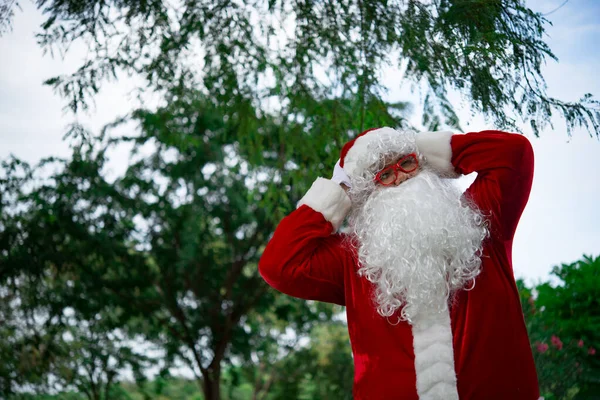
47,345
331,373
276,54
7,13
164,389
323,369
168,250
58,396
563,322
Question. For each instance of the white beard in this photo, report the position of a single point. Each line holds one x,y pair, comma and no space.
418,244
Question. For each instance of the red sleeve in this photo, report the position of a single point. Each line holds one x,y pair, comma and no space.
504,166
303,259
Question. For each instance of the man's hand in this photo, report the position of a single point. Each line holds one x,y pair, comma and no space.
340,177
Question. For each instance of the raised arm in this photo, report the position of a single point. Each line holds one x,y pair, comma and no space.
504,165
305,257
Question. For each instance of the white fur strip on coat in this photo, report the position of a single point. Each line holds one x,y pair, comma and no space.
434,357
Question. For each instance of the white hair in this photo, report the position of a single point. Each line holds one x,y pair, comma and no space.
388,144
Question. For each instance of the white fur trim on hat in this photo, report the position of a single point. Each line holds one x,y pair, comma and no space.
434,357
436,148
328,198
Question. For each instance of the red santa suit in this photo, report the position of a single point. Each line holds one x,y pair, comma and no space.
486,338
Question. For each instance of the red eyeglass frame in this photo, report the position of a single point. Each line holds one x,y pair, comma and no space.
397,167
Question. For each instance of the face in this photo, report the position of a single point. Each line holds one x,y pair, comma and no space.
398,170
418,243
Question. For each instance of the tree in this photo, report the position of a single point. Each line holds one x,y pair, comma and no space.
169,250
46,353
277,54
24,348
46,346
563,321
322,368
92,360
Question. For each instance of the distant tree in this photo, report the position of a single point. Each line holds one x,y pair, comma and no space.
165,388
45,347
331,374
93,360
276,54
27,350
321,368
563,322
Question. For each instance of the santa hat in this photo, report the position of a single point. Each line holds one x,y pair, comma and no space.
366,149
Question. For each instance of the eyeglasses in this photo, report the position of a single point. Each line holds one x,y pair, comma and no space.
406,164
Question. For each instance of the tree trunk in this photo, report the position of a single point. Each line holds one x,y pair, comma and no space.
212,384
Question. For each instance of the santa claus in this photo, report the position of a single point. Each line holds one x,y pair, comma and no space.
424,271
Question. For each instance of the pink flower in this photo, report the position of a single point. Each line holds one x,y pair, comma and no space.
580,343
591,351
532,304
556,342
542,347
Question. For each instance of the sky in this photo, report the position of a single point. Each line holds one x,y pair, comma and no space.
561,221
